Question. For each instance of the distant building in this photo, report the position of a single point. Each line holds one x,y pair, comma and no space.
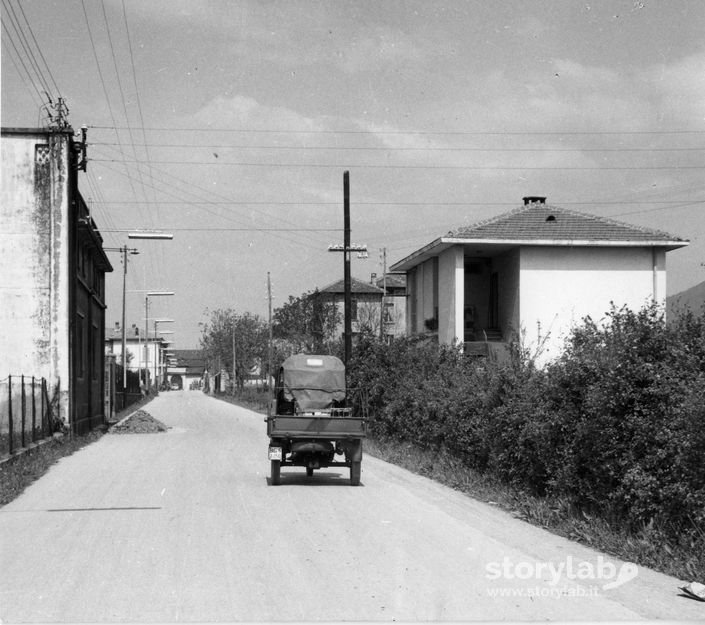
367,299
532,273
394,287
52,282
141,354
186,369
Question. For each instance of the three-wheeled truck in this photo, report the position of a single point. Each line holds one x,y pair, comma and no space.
310,420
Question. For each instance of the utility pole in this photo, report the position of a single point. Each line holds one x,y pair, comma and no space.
346,256
346,249
234,360
384,293
124,250
269,349
124,340
146,342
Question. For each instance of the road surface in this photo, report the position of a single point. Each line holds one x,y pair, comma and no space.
183,526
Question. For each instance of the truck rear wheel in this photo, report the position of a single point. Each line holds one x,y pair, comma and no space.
355,470
276,472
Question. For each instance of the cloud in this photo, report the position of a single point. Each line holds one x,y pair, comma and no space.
244,112
381,47
679,90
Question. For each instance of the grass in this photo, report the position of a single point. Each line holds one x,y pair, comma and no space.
649,546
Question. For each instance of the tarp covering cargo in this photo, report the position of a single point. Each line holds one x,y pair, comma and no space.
315,382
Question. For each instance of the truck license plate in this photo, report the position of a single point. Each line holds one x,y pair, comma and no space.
275,453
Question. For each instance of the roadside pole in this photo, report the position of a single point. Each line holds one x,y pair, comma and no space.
346,248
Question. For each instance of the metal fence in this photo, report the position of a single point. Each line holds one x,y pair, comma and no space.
26,412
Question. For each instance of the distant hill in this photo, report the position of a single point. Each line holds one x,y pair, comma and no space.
693,298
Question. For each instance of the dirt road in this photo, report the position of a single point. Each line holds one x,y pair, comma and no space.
183,526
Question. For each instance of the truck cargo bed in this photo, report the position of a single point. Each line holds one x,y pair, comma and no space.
315,426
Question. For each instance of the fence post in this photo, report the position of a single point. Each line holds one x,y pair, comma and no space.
23,403
45,409
34,414
10,420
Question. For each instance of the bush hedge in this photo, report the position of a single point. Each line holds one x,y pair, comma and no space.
615,425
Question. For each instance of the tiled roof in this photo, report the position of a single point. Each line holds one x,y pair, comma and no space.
393,281
544,222
356,286
192,359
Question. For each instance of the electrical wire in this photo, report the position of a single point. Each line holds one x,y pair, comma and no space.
428,167
307,148
29,81
41,54
25,45
419,132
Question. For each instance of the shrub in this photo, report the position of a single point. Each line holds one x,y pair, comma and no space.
613,426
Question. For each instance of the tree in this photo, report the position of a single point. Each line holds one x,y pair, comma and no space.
235,342
307,323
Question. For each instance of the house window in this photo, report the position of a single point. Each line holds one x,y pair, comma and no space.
80,345
96,352
388,312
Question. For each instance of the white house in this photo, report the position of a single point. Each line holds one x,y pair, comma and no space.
141,354
535,272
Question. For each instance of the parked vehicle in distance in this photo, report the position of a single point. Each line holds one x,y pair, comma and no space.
310,420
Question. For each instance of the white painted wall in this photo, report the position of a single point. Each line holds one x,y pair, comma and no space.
137,351
451,290
559,286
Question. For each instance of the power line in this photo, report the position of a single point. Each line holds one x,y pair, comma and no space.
26,47
397,149
194,229
38,103
134,79
122,93
201,202
41,54
408,166
415,132
400,203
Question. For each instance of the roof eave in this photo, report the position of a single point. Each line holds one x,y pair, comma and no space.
668,243
435,247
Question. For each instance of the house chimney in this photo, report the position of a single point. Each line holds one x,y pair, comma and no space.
373,277
117,325
534,199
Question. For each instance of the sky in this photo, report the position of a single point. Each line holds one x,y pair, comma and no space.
230,124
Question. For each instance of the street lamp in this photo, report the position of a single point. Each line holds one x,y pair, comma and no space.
125,251
143,234
133,252
156,364
146,331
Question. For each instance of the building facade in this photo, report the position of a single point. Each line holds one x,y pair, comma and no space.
53,279
531,275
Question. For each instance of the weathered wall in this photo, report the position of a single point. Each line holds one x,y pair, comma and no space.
34,259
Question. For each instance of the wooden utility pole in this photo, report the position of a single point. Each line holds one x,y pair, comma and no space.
234,361
346,268
384,293
270,379
347,281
